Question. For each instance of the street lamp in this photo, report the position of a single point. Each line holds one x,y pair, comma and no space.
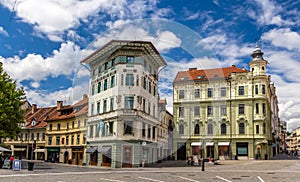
203,168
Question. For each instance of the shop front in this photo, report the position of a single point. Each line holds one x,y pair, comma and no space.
223,150
106,155
39,153
53,154
93,155
210,150
77,155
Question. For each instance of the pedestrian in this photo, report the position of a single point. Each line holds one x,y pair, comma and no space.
11,160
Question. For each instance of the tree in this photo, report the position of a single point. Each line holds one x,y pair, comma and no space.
11,100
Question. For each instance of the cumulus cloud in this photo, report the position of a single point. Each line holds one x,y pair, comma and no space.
3,32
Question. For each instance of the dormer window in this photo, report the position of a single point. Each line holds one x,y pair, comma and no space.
263,68
33,123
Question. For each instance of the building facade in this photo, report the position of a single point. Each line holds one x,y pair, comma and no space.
224,113
123,104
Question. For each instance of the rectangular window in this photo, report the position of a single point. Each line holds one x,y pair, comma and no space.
209,110
43,136
57,140
209,92
149,131
241,109
129,80
241,90
111,128
122,79
58,126
263,89
149,105
98,107
78,139
144,83
181,94
144,105
264,128
99,87
78,123
153,132
112,104
104,105
223,110
196,111
256,89
256,108
93,89
84,122
32,136
181,111
105,84
144,130
73,125
129,102
67,140
150,87
112,81
197,93
128,127
50,127
84,139
257,129
72,140
50,140
154,90
264,108
67,126
26,136
223,91
92,109
91,131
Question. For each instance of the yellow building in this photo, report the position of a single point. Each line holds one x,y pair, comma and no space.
65,133
224,113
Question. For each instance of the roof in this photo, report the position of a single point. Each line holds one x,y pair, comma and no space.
40,116
206,74
113,45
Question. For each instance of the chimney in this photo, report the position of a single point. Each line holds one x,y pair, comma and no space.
33,108
233,65
191,69
59,105
84,96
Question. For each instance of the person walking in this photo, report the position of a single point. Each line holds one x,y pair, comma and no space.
11,160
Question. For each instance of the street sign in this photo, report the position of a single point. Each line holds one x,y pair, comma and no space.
17,165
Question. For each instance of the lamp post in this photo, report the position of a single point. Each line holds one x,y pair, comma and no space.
203,167
230,117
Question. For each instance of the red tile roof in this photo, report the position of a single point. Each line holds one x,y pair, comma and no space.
201,75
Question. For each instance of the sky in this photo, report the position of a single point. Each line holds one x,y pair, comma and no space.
43,42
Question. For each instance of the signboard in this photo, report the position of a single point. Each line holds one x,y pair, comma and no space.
17,165
6,164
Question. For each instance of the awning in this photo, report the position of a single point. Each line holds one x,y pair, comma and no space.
19,149
196,144
209,143
91,149
39,150
4,149
223,143
105,150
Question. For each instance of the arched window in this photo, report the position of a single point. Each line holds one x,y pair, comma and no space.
241,128
181,129
223,128
197,129
209,129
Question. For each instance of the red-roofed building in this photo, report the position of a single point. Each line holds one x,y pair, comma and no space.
226,112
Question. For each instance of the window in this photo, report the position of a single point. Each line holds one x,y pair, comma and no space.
50,140
144,105
264,108
256,89
209,92
129,80
26,136
181,111
263,89
197,129
153,132
241,109
129,102
181,94
144,83
128,127
78,139
91,131
92,109
130,59
197,111
112,104
50,127
43,136
197,93
67,126
112,81
209,129
105,84
78,123
257,129
98,107
72,140
256,108
264,128
58,126
84,122
223,110
32,136
73,125
241,128
137,80
181,129
144,130
209,110
150,87
99,87
241,90
122,79
84,139
149,131
57,140
67,140
93,89
223,128
223,91
104,105
154,90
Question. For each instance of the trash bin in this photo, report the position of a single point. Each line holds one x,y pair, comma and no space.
235,157
30,166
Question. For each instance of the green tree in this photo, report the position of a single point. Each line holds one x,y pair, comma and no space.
11,100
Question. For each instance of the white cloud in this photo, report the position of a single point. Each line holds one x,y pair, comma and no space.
34,67
3,32
284,38
35,84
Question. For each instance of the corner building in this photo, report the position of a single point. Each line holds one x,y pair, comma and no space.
123,104
224,113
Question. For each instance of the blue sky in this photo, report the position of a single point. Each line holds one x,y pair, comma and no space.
42,42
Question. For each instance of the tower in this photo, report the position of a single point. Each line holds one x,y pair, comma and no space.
258,65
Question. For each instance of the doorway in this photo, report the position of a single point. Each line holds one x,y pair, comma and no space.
181,151
66,157
127,156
